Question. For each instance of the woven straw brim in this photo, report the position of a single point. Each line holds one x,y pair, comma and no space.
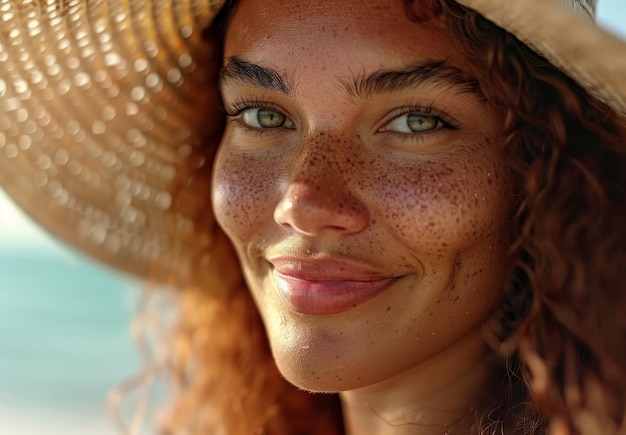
104,110
593,57
106,107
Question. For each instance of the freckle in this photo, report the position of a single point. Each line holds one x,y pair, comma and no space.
388,309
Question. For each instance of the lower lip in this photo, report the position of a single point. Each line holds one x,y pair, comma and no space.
327,297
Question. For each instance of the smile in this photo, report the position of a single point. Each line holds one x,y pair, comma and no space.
326,288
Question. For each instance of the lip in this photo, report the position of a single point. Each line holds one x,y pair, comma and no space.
326,287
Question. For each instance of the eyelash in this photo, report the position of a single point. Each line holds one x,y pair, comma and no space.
237,107
446,119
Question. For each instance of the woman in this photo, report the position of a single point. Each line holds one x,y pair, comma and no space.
412,208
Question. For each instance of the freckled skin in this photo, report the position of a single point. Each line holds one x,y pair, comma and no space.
436,213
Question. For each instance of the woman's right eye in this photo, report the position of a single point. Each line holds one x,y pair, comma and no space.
259,117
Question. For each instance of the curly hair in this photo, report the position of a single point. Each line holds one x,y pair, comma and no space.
560,330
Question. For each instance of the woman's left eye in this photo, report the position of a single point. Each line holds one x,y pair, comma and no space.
259,117
414,123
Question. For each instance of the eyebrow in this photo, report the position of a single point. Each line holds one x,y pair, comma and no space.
361,86
437,72
250,73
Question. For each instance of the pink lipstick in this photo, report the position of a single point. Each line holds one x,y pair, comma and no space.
325,287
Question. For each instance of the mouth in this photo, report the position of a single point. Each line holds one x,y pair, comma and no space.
326,287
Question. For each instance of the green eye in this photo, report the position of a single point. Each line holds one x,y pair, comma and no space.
266,118
414,123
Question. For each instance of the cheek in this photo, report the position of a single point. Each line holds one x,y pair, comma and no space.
441,207
242,194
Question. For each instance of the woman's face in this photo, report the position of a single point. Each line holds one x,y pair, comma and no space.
360,183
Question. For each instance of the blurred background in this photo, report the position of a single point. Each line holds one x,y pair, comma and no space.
65,322
65,336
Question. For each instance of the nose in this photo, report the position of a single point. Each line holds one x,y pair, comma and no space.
319,200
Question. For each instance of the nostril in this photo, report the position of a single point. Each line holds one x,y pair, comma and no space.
282,212
311,211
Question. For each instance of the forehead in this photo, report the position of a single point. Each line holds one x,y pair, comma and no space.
341,29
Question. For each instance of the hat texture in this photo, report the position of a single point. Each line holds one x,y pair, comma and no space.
569,39
105,106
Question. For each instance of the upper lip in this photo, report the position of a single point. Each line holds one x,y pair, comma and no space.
326,269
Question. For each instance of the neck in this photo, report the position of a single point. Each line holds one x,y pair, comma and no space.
440,394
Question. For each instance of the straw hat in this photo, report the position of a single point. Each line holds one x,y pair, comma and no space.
105,106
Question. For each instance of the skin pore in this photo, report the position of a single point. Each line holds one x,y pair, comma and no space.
360,183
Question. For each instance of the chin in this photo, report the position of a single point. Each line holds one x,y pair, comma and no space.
325,371
325,381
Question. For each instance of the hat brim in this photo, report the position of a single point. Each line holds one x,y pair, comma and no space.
592,56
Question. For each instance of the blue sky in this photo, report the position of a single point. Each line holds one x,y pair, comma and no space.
612,14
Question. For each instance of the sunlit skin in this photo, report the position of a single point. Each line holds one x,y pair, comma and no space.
324,183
